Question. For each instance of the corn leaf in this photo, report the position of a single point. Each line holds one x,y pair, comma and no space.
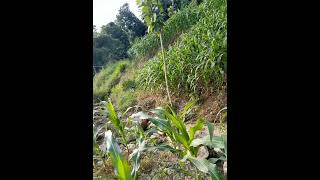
217,142
114,151
210,128
198,126
113,116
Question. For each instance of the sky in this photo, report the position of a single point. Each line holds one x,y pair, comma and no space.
105,11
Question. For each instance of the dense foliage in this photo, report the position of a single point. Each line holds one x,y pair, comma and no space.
197,60
180,22
130,23
113,41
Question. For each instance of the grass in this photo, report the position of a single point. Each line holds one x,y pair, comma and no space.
124,94
123,98
198,60
107,78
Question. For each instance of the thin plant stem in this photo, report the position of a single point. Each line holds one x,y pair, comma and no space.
165,70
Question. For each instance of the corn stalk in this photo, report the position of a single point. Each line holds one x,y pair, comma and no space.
165,70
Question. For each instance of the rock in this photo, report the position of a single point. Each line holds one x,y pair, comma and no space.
144,124
203,153
212,153
96,113
219,152
95,118
103,102
225,170
131,146
154,136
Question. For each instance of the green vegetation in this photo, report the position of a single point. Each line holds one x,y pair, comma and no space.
180,22
107,78
182,142
197,60
114,39
124,98
185,138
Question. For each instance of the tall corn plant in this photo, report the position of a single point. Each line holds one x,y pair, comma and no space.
152,12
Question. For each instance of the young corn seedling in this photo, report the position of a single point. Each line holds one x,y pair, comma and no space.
172,124
119,125
209,166
120,164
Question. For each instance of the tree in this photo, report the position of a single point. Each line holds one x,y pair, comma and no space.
107,49
130,23
95,33
115,32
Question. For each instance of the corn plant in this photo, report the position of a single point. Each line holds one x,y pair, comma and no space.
119,162
152,12
204,165
180,22
119,125
172,124
197,60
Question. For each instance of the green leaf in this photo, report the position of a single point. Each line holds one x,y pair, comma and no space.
225,145
121,165
174,120
163,147
182,140
161,124
198,126
159,112
135,156
186,108
217,142
204,166
179,125
213,160
210,128
113,116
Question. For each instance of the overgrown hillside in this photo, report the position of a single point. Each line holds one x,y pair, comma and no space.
151,138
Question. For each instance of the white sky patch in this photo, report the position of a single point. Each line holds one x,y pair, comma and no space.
105,11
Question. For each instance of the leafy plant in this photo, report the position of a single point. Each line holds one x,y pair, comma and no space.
173,126
119,125
204,166
119,162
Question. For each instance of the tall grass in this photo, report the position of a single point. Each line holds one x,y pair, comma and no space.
108,78
180,22
198,59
